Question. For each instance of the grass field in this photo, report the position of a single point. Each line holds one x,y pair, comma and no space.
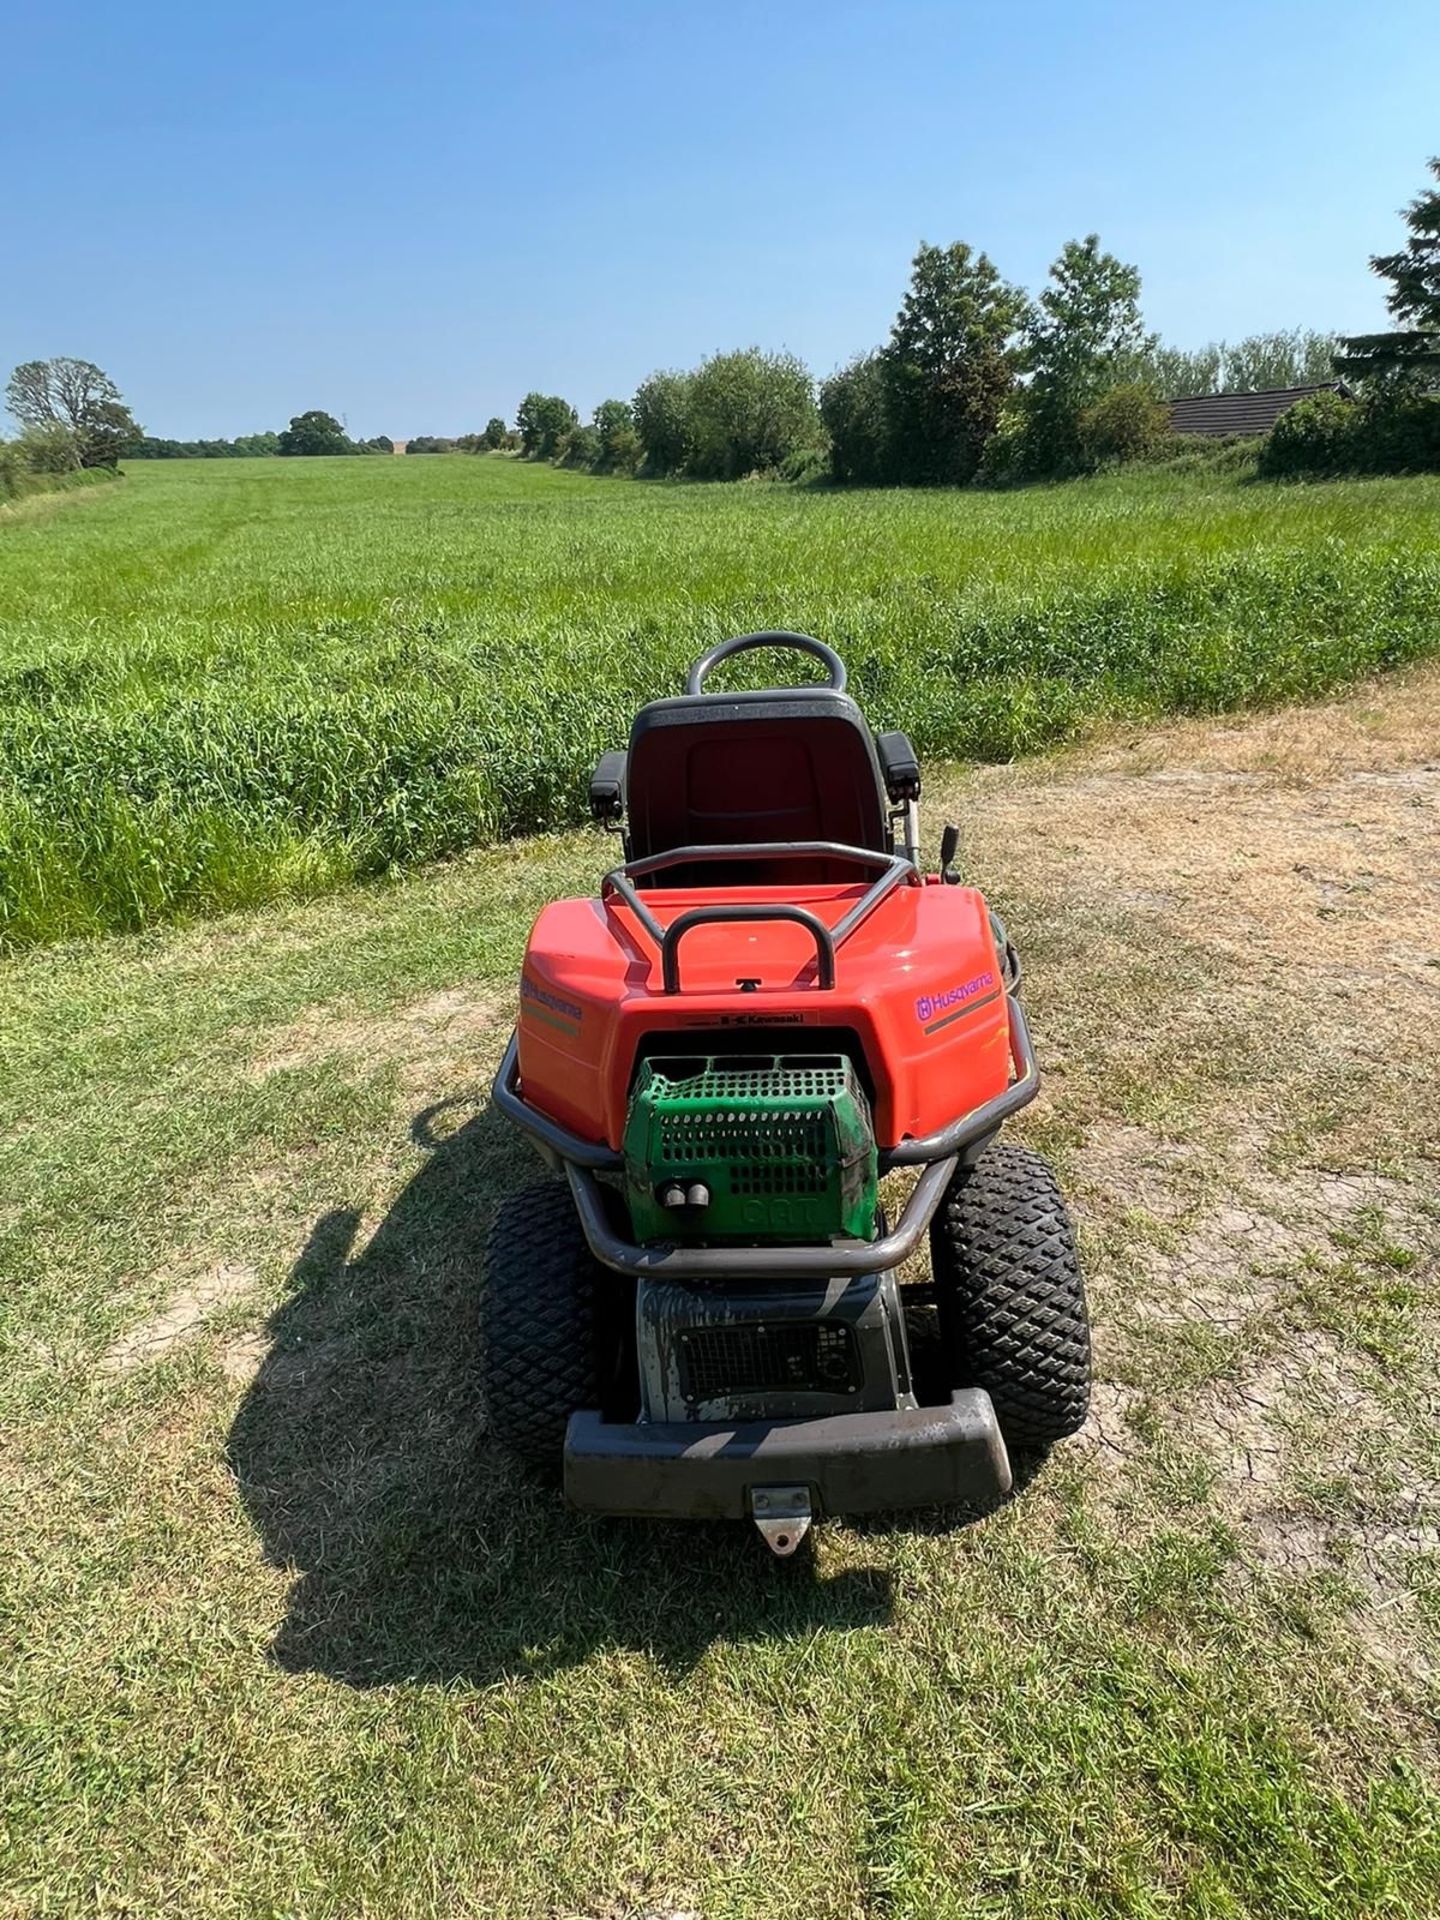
227,681
283,1635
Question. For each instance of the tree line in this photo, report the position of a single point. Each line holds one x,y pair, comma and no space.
979,382
976,382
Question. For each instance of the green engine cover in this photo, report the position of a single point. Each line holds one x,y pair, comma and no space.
782,1145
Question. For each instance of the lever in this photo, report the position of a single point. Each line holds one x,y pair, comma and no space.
949,847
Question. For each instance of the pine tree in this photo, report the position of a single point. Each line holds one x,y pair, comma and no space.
1412,351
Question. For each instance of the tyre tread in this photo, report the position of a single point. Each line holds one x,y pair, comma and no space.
1004,1254
538,1322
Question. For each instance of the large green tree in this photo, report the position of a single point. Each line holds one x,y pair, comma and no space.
314,433
1411,352
76,399
544,419
1085,336
748,412
950,363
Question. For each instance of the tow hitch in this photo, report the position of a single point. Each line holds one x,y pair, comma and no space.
783,1515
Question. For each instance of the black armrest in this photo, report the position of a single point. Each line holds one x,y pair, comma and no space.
899,766
607,786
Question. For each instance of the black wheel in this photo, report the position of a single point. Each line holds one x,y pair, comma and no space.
1010,1294
550,1323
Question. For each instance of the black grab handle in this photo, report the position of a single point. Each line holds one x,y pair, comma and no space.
801,642
704,916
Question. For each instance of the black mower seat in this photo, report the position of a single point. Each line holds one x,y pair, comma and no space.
748,767
742,768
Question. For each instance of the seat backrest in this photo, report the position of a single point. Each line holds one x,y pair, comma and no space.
743,768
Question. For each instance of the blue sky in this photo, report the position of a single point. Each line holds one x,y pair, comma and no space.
409,215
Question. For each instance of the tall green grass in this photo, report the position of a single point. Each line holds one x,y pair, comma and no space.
234,680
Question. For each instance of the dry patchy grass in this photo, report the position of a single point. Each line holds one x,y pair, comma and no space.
286,1635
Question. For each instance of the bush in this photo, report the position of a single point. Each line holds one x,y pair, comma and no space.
49,449
807,466
19,476
1318,435
1393,430
1400,433
749,412
1127,423
853,406
13,471
1002,464
578,448
619,444
661,410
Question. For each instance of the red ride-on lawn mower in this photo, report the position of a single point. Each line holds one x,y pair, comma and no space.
768,1008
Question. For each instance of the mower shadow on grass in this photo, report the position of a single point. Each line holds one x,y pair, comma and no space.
422,1552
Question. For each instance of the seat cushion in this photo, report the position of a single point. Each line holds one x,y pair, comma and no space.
712,770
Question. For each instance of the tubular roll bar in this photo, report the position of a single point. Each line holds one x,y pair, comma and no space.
621,882
938,1153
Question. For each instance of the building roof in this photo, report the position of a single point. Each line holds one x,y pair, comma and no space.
1219,413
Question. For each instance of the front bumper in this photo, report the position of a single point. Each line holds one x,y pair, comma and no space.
851,1462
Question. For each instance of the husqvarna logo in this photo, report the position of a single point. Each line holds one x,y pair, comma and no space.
950,1001
541,998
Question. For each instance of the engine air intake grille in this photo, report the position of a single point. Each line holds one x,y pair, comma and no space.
718,1363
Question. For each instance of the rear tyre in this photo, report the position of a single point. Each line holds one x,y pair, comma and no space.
544,1346
1011,1297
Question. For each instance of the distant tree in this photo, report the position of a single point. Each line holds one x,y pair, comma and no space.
544,419
580,447
495,433
314,433
78,398
749,411
617,441
1085,336
248,446
1411,353
855,409
951,361
661,410
1177,373
1298,358
429,443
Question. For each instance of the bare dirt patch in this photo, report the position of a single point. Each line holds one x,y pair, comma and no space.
1276,882
184,1312
442,1025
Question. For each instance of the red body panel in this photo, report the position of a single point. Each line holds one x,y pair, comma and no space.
918,983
